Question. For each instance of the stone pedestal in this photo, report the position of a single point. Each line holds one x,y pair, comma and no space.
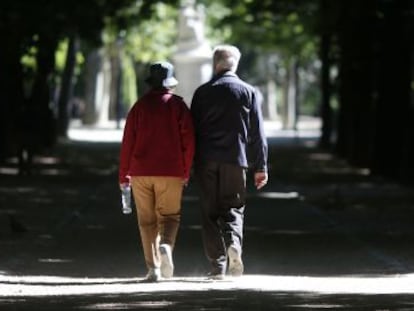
193,59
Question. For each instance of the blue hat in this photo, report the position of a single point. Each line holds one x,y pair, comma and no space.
161,74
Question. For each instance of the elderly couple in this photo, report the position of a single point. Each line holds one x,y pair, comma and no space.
161,139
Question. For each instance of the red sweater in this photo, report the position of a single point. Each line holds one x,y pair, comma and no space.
158,137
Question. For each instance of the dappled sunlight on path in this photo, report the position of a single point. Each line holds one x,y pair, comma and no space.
12,286
321,235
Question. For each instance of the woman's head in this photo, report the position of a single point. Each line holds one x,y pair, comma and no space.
161,75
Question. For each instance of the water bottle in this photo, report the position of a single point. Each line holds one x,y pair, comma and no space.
126,199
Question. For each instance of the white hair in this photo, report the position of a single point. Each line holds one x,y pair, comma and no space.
226,57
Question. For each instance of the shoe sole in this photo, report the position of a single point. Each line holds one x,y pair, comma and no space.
167,266
215,277
151,279
235,263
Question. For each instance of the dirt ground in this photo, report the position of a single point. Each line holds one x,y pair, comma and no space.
321,235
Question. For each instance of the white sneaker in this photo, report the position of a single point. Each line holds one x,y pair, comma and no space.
235,262
153,275
167,266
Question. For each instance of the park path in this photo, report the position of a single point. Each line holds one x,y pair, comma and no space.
321,235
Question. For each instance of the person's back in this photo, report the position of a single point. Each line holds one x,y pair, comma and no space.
157,147
227,122
155,160
227,118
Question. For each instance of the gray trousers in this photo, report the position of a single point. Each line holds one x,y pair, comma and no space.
223,195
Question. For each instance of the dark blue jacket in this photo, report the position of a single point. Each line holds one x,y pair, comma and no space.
228,123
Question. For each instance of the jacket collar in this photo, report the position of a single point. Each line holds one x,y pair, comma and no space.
226,73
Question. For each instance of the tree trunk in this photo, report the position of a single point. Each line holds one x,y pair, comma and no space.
344,126
407,168
115,95
289,113
393,139
66,89
11,90
326,110
40,103
329,15
356,73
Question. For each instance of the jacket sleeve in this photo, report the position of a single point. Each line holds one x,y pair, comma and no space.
187,138
127,146
258,142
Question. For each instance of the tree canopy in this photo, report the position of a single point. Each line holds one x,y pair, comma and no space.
367,44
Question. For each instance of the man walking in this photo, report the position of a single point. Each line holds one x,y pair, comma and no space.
227,122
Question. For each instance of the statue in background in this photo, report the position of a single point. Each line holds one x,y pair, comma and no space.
192,59
191,24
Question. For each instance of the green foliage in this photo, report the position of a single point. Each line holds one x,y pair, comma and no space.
28,60
146,29
153,39
129,85
60,57
215,12
272,35
286,27
144,33
29,23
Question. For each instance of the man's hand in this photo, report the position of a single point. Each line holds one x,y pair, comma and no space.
260,179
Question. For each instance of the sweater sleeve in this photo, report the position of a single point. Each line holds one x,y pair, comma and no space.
258,142
127,146
187,139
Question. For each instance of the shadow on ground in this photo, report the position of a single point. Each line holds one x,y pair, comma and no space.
214,300
318,217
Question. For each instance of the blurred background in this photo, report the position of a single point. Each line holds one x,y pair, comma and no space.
348,65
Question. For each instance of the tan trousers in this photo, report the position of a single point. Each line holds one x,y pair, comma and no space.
158,203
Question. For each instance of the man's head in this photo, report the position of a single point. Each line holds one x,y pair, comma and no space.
161,74
225,57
